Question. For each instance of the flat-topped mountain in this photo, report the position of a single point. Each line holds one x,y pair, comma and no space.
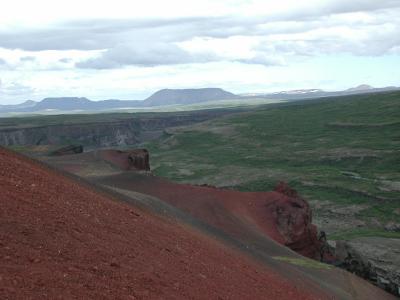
64,103
187,96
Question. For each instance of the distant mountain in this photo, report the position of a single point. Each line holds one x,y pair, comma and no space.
26,104
365,88
64,103
289,95
294,95
70,104
187,96
160,98
362,87
174,97
75,103
300,92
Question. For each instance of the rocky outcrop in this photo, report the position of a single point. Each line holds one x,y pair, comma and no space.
139,159
136,159
392,227
373,258
294,221
68,150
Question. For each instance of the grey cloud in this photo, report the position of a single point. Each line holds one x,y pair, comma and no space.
378,41
263,59
96,34
152,54
15,89
103,34
308,11
4,65
65,60
55,39
165,54
132,42
345,6
27,58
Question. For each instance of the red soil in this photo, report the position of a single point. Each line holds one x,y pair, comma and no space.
59,239
281,215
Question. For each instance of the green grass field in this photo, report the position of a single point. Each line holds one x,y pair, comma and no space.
342,151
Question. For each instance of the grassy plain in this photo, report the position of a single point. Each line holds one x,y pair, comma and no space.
337,152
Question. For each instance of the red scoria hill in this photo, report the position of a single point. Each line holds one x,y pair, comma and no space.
59,239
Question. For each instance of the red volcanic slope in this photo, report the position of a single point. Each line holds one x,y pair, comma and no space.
59,239
281,215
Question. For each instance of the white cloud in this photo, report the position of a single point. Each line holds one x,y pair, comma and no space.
14,89
47,45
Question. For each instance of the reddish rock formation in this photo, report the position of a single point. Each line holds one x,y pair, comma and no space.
136,159
139,159
294,221
284,188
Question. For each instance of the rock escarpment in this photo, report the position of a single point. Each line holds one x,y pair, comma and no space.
373,258
94,134
107,133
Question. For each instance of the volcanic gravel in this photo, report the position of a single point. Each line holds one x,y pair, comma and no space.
62,240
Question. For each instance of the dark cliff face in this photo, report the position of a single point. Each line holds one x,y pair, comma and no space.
101,134
98,134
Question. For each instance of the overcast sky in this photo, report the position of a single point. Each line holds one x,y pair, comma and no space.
129,49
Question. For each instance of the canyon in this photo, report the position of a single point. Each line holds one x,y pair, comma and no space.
101,130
